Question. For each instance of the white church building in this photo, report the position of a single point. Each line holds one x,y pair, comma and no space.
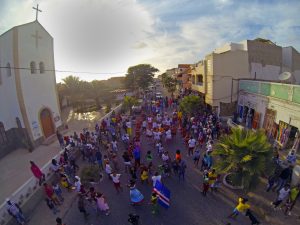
29,106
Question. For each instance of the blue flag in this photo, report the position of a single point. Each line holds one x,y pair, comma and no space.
163,194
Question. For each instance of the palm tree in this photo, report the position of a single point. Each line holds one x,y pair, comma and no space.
245,153
74,87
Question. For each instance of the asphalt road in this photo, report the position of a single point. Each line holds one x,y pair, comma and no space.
187,206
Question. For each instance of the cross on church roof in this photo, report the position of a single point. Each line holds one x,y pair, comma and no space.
37,11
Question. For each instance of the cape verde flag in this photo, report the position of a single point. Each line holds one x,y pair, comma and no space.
163,194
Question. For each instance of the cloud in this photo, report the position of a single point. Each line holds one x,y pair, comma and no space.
110,36
140,45
194,36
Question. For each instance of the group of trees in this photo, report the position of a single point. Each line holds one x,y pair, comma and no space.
79,92
140,77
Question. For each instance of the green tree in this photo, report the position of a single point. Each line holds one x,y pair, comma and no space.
170,83
191,105
139,76
128,102
245,153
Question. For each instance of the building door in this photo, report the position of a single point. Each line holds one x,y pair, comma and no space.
47,123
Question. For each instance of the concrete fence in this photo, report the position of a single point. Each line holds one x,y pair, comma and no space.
24,193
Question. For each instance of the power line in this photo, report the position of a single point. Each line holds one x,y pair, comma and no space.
61,71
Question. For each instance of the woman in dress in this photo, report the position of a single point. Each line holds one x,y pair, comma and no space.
136,197
102,204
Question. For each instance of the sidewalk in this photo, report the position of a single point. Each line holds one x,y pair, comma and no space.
15,166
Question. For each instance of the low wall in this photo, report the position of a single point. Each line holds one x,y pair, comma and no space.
31,187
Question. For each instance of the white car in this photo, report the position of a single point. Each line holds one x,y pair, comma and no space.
158,95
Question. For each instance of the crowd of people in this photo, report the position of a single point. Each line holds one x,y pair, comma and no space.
119,137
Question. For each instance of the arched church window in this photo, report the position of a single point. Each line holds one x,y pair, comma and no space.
8,69
3,137
42,67
32,67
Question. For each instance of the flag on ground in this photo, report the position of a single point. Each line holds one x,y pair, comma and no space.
163,194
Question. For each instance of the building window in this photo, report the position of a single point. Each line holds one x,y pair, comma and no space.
199,79
32,67
3,137
8,70
42,67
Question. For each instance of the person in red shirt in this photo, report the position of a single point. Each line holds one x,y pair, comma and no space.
50,194
37,172
178,156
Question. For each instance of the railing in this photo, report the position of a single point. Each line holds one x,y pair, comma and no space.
31,186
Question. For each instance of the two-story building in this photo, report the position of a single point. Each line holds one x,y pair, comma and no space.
217,75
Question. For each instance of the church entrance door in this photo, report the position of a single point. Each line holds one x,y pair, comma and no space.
47,123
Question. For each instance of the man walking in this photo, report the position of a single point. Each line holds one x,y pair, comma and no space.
181,169
15,211
116,180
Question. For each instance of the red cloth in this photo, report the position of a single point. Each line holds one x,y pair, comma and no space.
49,191
36,171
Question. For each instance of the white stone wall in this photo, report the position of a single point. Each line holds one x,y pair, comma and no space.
265,72
228,66
39,90
8,96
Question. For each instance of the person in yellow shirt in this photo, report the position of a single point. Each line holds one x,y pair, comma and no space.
240,208
144,176
212,176
179,115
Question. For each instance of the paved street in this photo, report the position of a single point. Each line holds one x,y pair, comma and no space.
188,206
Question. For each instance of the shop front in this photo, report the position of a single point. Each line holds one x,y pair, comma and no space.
251,110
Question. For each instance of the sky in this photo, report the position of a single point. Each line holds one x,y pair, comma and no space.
105,37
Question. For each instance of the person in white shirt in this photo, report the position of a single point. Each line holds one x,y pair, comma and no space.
149,132
157,135
168,135
158,117
165,157
168,122
116,180
114,145
149,119
156,178
159,148
108,170
192,144
283,193
209,147
77,183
